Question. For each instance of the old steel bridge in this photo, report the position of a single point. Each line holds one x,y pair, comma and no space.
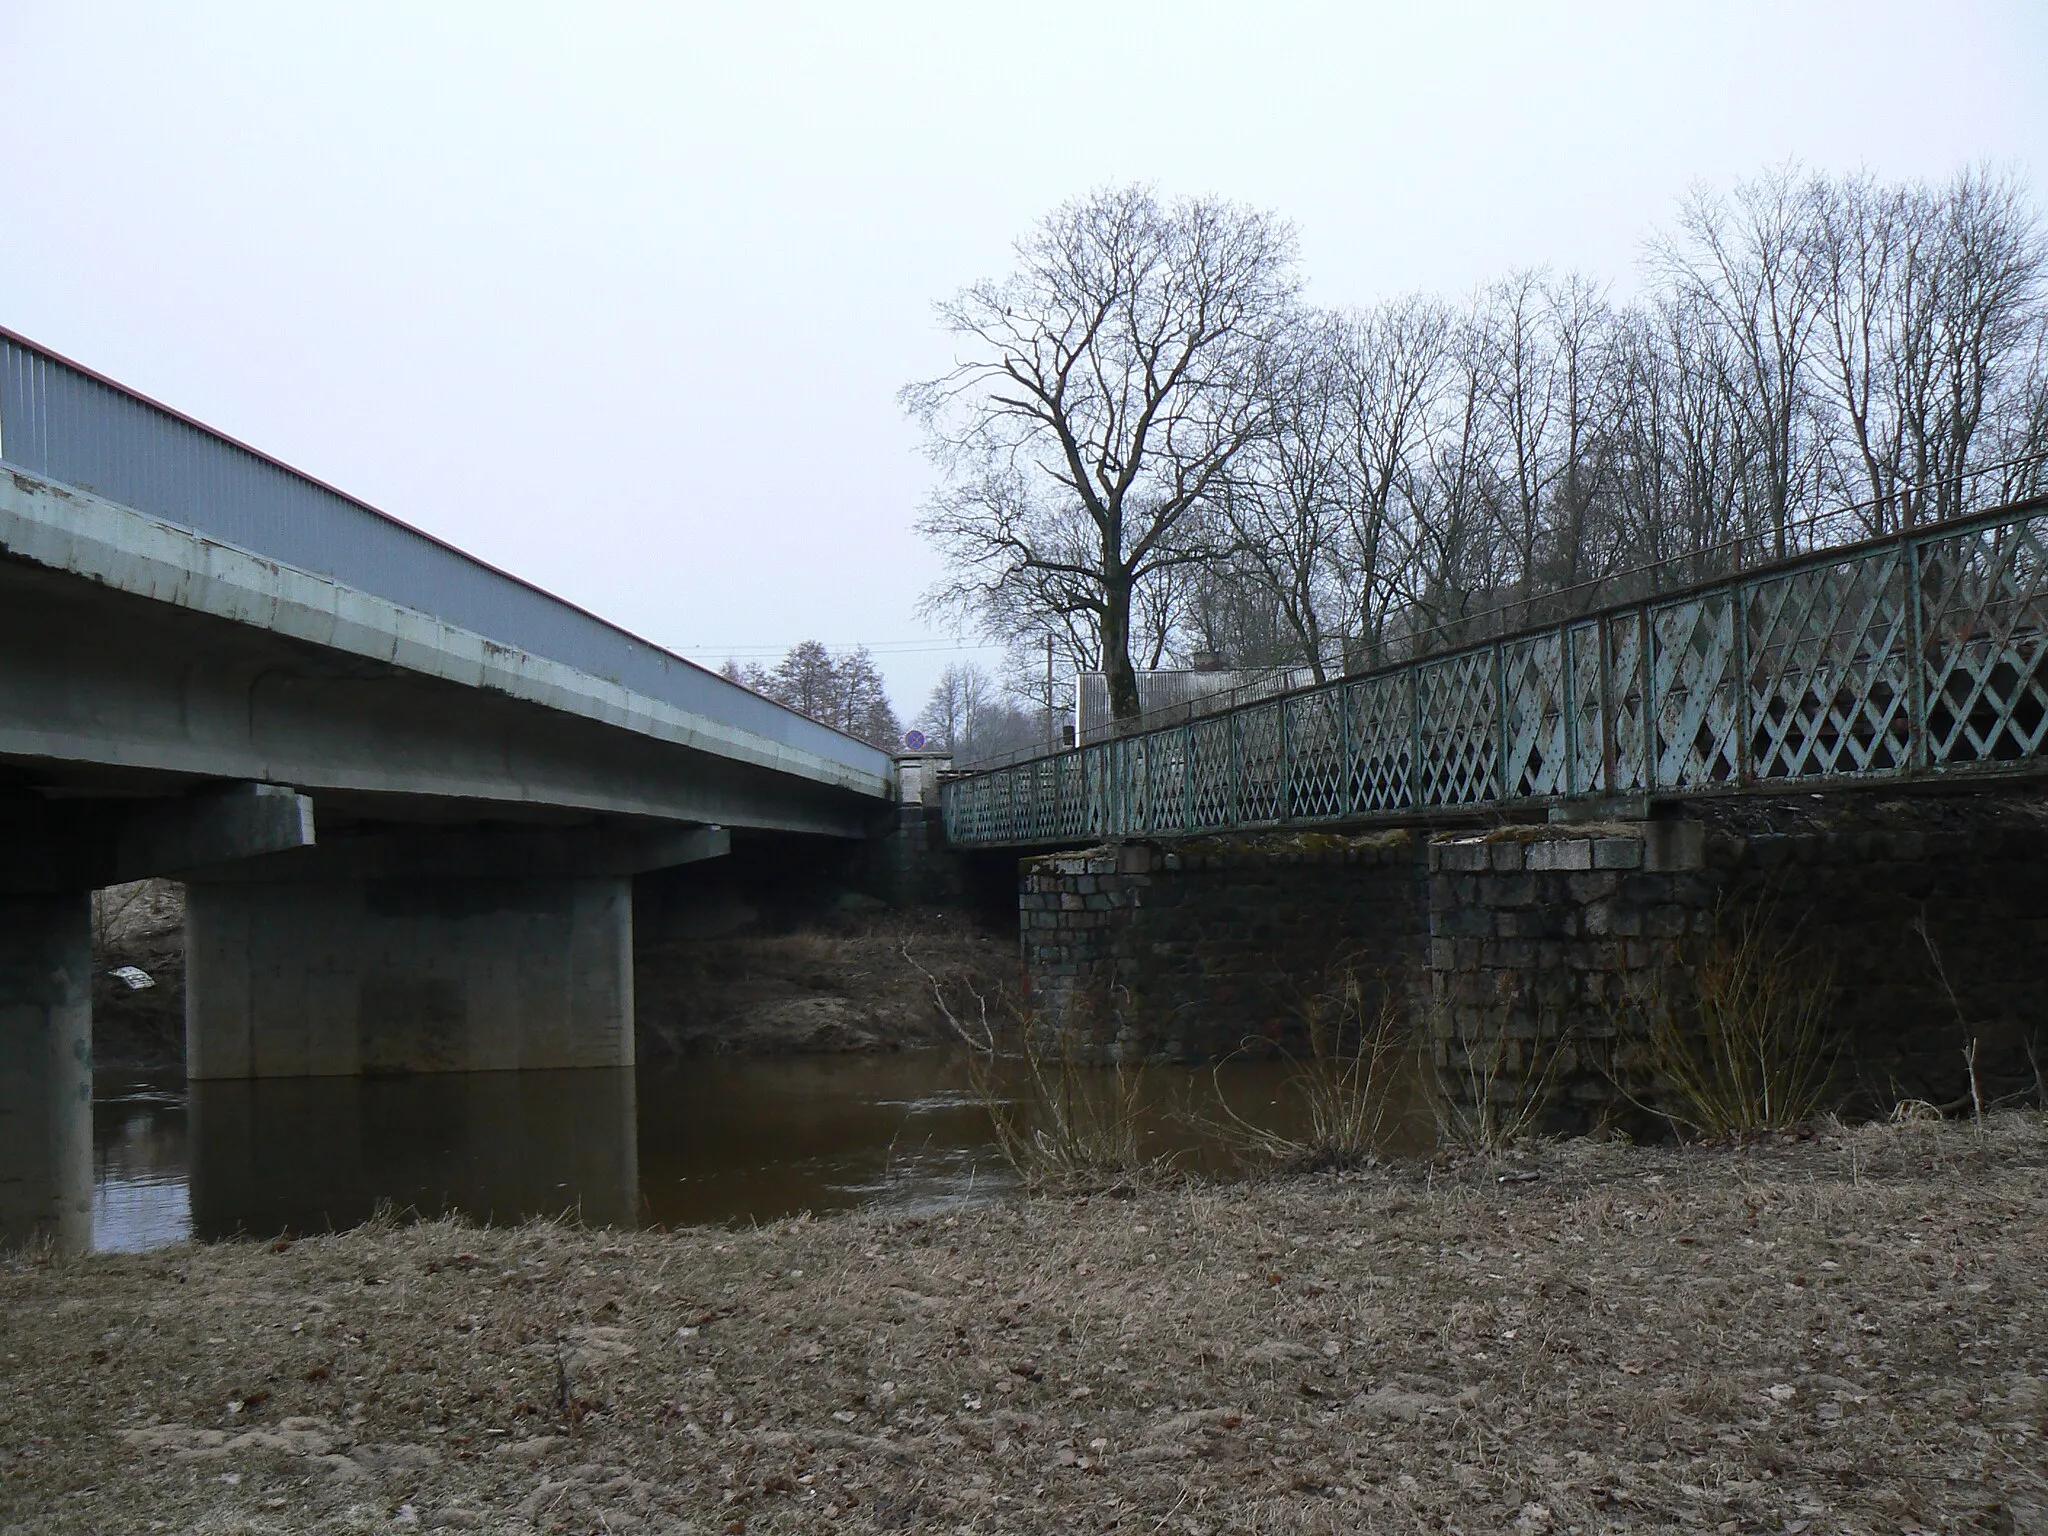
1912,658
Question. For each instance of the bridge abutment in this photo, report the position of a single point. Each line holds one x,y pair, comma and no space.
1189,949
46,1069
1534,955
314,978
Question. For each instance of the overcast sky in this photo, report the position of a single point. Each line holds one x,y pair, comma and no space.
620,298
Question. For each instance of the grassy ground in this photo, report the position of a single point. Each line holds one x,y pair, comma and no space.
1842,1333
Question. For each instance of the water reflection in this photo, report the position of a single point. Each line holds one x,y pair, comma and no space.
309,1153
729,1139
140,1197
714,1140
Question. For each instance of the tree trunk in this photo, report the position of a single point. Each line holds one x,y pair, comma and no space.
1117,671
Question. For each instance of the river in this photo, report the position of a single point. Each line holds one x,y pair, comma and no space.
707,1140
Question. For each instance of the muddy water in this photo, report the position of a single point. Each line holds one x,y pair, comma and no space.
714,1140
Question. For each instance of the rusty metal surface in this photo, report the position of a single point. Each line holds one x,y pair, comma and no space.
1918,656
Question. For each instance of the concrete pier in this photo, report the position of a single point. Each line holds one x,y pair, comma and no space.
328,978
46,1069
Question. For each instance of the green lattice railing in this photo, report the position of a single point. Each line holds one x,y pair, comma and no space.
1916,656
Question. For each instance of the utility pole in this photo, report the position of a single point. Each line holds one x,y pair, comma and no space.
1051,732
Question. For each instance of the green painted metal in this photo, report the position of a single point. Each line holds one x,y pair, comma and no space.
1921,656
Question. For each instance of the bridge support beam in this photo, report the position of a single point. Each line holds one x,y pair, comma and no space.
46,1069
308,978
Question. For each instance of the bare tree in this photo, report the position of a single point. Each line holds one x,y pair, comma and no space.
1109,386
1681,459
844,690
971,714
1393,367
1987,317
1452,556
1748,265
1285,499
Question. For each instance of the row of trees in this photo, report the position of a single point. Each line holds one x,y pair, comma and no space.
844,689
975,714
1154,446
981,717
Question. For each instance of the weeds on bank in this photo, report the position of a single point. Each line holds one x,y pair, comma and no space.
1736,1042
1345,1083
1061,1121
1493,1090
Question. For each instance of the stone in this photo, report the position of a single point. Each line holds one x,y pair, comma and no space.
1617,853
1562,853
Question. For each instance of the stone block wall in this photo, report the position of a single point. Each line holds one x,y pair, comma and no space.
1929,916
1185,950
1541,941
1928,920
1932,917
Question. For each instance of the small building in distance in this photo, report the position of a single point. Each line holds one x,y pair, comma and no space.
1170,696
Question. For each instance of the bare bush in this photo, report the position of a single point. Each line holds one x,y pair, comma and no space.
1062,1121
1493,1089
1736,1041
1346,1083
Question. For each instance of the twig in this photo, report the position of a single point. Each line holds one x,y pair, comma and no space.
987,1043
1976,1094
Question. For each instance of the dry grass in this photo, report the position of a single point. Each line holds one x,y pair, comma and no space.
1349,1084
1837,1334
1063,1123
846,987
1738,1042
1493,1091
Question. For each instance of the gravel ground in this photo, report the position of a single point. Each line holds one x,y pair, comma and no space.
1844,1332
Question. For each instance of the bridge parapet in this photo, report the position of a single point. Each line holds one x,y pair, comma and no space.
1914,657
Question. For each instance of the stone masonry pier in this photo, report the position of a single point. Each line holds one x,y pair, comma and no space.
1929,916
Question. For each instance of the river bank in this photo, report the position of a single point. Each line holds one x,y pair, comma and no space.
1838,1333
831,974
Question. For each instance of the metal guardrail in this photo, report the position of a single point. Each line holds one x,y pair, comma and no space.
1914,656
67,424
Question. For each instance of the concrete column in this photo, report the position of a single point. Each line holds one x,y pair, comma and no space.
335,978
46,1069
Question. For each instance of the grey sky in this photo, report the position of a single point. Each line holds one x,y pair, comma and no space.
620,298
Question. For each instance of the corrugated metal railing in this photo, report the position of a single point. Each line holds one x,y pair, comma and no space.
1922,655
64,423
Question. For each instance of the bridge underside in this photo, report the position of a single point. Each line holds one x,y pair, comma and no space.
406,791
385,871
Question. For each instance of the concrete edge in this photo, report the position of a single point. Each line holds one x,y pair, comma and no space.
75,532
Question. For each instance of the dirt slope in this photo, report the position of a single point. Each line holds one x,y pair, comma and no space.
1842,1334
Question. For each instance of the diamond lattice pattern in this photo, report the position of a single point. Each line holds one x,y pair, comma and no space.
1827,670
1693,692
1532,673
1382,715
1984,633
1460,738
1316,770
1260,771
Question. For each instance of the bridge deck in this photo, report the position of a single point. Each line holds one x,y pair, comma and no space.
1915,657
64,424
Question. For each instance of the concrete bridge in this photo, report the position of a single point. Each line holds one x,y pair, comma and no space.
408,791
